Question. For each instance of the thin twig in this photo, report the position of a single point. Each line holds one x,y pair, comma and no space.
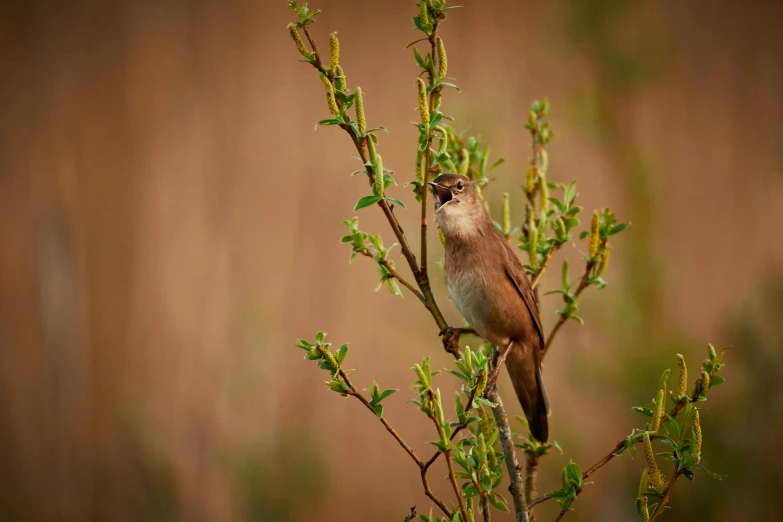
395,274
411,516
583,283
457,489
420,274
423,471
544,263
453,433
425,192
665,499
531,473
452,477
386,425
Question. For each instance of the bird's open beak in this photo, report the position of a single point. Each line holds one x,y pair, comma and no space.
442,195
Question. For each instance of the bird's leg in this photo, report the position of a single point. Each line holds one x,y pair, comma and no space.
493,375
450,337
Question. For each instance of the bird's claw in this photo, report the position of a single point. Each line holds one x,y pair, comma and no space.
450,337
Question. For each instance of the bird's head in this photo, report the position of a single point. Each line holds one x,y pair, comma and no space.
458,206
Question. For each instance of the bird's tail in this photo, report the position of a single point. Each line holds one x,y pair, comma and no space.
525,372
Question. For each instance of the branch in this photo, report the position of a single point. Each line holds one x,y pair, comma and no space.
452,477
531,473
665,499
514,473
396,275
354,393
419,273
544,262
425,192
583,283
411,516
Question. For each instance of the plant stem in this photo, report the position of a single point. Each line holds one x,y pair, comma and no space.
425,191
396,275
665,499
401,442
457,489
544,263
514,473
583,283
531,473
411,515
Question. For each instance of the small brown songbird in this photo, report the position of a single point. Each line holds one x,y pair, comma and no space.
489,286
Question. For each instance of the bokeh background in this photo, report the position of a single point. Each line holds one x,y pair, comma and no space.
169,224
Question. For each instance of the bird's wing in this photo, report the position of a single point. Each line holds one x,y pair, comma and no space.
516,273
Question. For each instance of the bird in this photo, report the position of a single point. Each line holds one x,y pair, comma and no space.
490,288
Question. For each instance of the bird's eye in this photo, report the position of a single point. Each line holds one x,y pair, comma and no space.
460,186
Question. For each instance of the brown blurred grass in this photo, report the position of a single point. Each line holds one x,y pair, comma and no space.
169,224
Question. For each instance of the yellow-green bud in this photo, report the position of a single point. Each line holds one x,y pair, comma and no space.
334,51
330,101
443,62
603,264
422,376
655,477
464,163
371,149
377,168
359,103
697,437
424,16
300,46
324,349
460,408
469,358
683,382
562,233
442,237
481,382
705,382
506,215
592,246
643,484
486,429
530,182
711,350
469,510
444,139
339,79
423,107
420,156
436,100
481,449
544,194
532,243
645,514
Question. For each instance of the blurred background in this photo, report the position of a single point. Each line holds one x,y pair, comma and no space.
169,225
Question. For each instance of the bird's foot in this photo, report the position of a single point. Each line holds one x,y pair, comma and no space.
450,337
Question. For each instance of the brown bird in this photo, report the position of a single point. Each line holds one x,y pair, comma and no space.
492,291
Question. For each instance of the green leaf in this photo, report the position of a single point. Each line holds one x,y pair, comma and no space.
716,380
366,201
341,353
330,122
385,394
393,287
319,337
644,411
617,228
497,501
396,202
